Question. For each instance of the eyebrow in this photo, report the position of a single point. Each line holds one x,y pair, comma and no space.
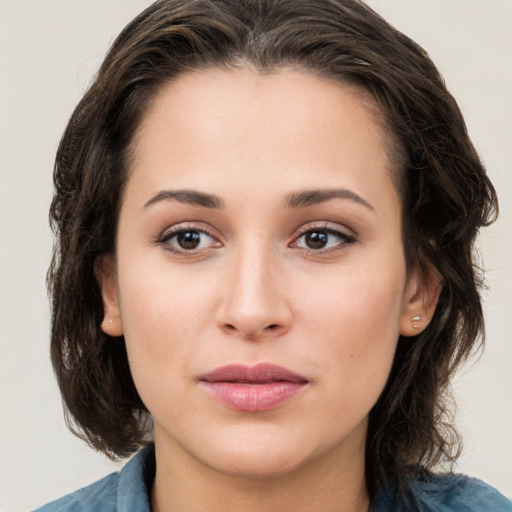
313,197
301,199
192,197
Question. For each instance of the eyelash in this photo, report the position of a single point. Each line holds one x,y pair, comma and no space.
345,239
166,237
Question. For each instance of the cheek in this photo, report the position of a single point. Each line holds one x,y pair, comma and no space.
360,304
356,327
164,315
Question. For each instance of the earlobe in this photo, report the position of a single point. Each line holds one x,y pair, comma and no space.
420,302
104,270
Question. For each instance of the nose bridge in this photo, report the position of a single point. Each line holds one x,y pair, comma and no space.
252,269
253,304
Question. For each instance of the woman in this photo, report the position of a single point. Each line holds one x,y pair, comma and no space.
265,213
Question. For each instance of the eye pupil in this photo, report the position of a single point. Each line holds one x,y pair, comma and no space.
189,239
316,239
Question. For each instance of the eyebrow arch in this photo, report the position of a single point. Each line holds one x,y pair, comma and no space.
186,196
313,197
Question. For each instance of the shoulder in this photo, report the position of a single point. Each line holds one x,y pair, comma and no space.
118,492
429,492
459,493
98,497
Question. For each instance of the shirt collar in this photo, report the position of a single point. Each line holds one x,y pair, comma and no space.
135,482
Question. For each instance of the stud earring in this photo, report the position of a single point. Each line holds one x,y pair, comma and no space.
110,321
415,319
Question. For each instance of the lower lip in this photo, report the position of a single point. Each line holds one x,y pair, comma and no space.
253,397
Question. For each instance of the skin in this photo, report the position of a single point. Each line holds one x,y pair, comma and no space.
255,290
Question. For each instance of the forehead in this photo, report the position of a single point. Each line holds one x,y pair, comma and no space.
285,97
215,127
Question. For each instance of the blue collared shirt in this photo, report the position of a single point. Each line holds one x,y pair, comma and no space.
129,489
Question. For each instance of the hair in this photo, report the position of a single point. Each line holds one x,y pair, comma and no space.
445,191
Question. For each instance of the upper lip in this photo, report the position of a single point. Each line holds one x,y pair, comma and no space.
260,373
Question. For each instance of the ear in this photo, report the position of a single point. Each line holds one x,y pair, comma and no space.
105,272
420,301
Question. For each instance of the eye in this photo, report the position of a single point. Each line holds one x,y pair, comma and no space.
321,239
187,240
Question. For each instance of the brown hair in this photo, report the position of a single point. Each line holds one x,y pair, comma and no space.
445,191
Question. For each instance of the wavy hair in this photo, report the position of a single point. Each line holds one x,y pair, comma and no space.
445,191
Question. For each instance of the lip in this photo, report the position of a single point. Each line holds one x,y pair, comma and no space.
253,388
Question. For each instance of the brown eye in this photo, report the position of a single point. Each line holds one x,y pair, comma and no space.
316,239
188,240
322,240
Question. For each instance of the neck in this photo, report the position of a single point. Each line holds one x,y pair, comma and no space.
184,484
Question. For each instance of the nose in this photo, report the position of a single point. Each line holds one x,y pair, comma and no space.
255,304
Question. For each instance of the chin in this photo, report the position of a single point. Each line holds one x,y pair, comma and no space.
258,464
260,455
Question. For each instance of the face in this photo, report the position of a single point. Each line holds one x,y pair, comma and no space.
260,280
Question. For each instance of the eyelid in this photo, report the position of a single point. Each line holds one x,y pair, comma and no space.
348,235
326,226
167,234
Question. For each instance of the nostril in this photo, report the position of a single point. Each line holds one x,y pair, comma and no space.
250,331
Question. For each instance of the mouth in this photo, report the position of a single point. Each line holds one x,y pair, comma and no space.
253,388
